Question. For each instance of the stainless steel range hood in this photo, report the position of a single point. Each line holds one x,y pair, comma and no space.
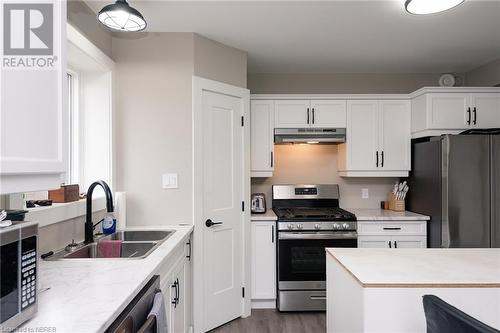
309,135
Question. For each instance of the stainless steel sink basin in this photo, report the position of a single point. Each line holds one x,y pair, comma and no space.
136,244
140,235
129,250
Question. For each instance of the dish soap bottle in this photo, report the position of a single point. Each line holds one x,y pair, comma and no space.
109,224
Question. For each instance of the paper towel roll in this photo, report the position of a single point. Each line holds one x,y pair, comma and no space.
121,210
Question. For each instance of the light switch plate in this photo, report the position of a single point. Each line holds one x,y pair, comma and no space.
169,180
364,193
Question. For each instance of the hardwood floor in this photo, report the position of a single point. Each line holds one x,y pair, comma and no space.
271,321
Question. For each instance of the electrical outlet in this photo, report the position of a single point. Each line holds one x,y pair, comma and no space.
364,193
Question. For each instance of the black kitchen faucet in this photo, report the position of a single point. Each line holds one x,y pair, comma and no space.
89,226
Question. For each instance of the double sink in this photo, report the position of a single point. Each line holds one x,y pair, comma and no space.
135,244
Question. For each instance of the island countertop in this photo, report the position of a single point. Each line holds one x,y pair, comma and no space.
415,268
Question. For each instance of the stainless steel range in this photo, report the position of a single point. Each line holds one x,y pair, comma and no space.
309,220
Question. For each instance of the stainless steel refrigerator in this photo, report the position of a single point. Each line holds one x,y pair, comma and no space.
455,179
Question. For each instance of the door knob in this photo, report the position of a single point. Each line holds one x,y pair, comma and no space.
210,223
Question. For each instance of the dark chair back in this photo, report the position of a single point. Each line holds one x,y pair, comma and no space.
441,317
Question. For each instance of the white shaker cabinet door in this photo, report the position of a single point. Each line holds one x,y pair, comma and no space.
292,113
448,111
409,242
362,134
374,241
263,260
34,115
485,110
395,135
262,137
328,113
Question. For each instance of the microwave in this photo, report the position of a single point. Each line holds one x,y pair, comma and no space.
18,274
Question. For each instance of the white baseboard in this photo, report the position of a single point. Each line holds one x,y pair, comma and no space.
264,304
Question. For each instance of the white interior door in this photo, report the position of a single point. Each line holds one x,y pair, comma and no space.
223,177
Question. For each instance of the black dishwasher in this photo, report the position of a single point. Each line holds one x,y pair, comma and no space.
136,313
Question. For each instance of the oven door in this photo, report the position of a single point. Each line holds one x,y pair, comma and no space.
302,257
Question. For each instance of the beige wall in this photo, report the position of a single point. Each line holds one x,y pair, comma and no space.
216,61
339,83
487,75
84,19
153,125
317,164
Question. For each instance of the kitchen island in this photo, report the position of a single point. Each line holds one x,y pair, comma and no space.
380,290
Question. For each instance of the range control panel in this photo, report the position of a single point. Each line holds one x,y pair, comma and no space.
317,226
306,191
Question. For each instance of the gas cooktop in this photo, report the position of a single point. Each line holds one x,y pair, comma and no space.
313,214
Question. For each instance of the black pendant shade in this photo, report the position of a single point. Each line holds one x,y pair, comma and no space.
120,16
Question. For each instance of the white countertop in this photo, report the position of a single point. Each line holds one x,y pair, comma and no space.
87,296
267,216
377,214
411,268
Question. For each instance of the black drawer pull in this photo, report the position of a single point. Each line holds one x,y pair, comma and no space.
392,228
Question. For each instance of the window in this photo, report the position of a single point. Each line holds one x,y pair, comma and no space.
72,177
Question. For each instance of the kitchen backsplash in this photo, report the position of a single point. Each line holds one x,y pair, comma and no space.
317,164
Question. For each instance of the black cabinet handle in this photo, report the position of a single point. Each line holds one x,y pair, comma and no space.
392,228
272,159
376,154
175,301
395,244
474,120
272,234
468,116
210,223
313,115
188,256
390,245
308,115
382,163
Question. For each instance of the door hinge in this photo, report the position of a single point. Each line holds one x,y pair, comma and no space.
242,121
243,292
243,206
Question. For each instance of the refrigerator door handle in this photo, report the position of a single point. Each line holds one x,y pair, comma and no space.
445,223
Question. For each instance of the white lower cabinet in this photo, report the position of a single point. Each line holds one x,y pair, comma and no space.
392,234
176,285
263,264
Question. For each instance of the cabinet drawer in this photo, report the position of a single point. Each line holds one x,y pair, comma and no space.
392,228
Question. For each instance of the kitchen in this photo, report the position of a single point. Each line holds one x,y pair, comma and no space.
149,115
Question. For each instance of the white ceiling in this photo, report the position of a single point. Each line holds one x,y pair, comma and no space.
337,36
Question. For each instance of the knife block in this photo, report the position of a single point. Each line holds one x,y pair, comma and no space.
396,205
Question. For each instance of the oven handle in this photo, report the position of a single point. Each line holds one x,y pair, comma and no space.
318,235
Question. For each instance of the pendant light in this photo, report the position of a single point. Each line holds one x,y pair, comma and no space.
430,6
120,16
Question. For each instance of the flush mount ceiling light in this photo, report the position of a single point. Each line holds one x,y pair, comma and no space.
430,6
120,16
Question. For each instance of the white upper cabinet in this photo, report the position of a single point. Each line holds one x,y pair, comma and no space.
437,111
34,117
485,110
310,113
262,137
395,138
328,113
362,135
448,110
377,139
292,113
